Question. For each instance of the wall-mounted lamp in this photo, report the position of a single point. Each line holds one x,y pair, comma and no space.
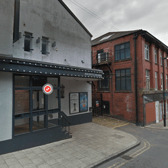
38,40
82,61
54,46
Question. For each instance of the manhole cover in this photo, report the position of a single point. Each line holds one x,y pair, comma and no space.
126,157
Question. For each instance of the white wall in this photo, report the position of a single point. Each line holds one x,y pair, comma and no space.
6,26
6,97
74,85
50,19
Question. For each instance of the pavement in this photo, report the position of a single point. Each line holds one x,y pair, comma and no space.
159,125
90,145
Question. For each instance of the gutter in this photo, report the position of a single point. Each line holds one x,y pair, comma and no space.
136,78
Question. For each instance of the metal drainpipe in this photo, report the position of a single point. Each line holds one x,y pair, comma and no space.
135,79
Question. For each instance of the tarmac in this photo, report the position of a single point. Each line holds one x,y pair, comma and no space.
91,144
159,125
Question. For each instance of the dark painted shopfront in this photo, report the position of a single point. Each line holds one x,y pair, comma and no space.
37,117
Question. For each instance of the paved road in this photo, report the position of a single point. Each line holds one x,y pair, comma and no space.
152,153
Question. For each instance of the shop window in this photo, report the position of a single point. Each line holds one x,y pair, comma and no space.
45,46
38,100
28,42
122,51
123,79
103,85
156,56
21,126
52,120
38,81
53,100
147,79
28,89
39,122
22,101
156,81
53,81
146,52
22,81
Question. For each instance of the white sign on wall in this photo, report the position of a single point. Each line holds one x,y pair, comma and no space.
74,103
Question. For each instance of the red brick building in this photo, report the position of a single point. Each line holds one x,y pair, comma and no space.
132,88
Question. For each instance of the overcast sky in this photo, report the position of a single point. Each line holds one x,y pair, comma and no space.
150,15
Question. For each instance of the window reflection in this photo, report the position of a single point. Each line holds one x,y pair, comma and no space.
21,101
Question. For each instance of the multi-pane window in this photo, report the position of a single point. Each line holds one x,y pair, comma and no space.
104,84
147,79
161,58
155,55
30,110
161,81
146,52
122,51
156,81
27,42
45,45
123,79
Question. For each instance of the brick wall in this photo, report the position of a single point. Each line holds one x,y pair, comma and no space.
122,104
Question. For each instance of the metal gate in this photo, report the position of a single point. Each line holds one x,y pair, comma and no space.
100,107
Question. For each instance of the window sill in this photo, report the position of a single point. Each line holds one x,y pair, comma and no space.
148,60
123,91
127,59
104,91
156,63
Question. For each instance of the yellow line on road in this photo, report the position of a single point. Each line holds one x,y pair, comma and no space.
120,125
146,146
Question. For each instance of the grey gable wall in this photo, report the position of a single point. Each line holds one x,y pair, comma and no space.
50,19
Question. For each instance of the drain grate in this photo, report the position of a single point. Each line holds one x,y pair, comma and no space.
126,157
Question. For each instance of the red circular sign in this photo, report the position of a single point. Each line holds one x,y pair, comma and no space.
47,89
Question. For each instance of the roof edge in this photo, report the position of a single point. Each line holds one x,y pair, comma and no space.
154,38
73,15
139,30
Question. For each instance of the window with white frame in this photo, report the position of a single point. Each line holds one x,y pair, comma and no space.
161,58
155,55
161,81
147,79
45,47
156,81
146,52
